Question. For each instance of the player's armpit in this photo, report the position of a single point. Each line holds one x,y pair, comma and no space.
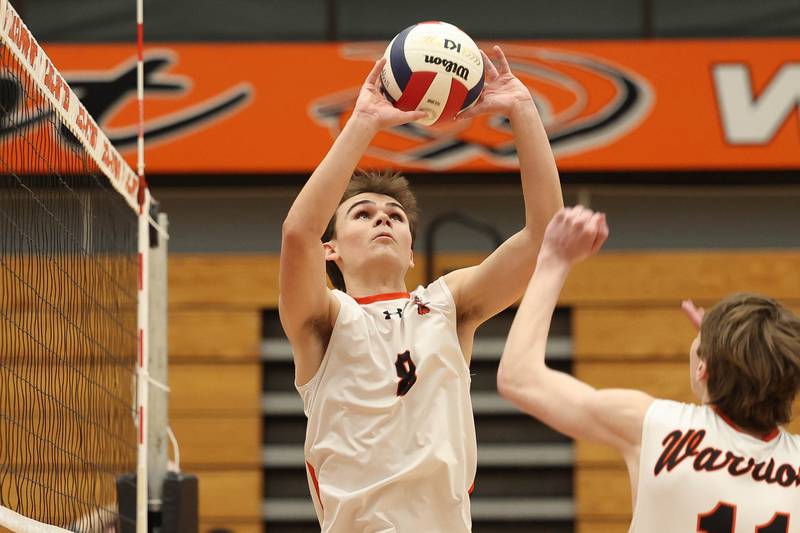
310,340
483,290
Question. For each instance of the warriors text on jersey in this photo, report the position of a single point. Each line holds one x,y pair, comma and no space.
698,472
390,439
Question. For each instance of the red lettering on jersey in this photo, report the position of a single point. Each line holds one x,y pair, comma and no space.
679,446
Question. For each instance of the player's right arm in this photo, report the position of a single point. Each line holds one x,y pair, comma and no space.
612,416
307,307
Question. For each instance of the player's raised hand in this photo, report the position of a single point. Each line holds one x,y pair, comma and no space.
501,90
694,313
574,234
373,106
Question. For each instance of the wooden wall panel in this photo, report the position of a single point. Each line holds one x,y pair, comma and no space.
234,526
602,526
602,493
635,332
665,278
230,494
632,333
214,334
215,389
213,442
660,379
235,281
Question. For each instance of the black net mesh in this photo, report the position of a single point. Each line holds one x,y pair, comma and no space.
68,330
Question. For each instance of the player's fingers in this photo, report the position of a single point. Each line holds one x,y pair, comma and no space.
561,213
375,73
473,111
602,232
491,70
583,217
574,216
411,116
574,211
505,68
694,313
467,113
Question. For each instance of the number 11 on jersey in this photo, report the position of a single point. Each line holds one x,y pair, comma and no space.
722,519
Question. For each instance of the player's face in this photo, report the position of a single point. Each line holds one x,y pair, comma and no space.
372,227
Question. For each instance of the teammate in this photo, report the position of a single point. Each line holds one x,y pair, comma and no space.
383,373
724,466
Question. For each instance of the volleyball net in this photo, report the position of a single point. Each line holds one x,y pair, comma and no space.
75,229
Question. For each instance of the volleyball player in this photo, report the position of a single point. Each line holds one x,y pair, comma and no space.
383,372
723,466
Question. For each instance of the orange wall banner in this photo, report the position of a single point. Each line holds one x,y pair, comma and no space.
609,105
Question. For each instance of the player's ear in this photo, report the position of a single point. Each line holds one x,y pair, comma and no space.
411,264
701,373
331,254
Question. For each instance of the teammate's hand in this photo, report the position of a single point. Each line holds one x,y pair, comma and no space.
501,91
373,106
694,313
574,234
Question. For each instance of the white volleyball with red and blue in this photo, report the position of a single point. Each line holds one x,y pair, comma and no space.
434,67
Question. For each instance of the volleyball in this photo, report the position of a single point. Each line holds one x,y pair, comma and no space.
434,67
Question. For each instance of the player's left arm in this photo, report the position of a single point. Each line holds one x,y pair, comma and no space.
610,416
484,290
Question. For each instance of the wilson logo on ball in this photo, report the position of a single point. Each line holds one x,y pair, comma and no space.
449,66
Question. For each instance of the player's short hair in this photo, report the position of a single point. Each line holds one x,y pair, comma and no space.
389,183
751,347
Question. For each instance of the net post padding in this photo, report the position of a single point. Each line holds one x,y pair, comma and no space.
19,40
157,419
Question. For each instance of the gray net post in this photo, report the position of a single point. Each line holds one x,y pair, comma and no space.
158,397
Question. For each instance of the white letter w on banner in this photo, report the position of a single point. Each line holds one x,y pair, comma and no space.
747,119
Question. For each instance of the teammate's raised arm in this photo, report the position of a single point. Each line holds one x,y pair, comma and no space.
725,465
575,408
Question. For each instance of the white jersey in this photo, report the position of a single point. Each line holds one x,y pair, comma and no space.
390,438
697,472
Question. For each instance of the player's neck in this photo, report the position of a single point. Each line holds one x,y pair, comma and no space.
374,283
756,434
705,399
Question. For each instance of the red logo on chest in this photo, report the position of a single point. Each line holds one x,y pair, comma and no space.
422,308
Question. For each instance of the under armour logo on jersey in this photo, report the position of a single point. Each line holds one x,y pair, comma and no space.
422,307
388,314
406,371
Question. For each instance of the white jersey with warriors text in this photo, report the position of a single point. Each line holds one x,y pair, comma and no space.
698,472
390,438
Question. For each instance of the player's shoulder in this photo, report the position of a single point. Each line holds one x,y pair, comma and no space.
679,414
792,439
436,292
